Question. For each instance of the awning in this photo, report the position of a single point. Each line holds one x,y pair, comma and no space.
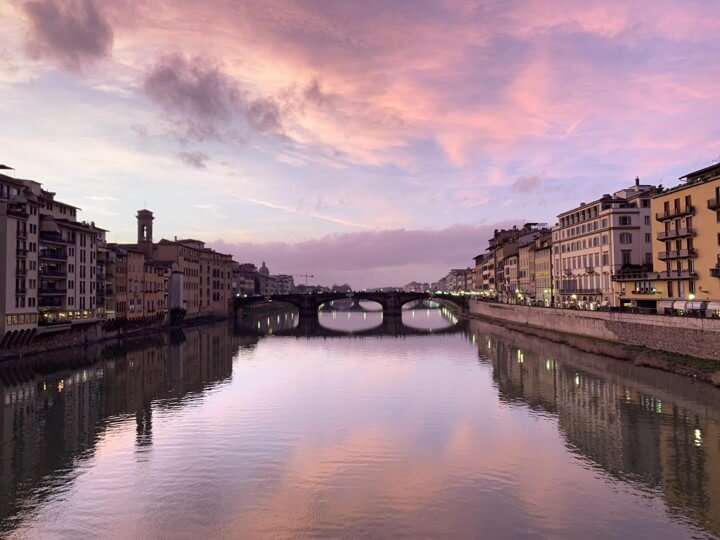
664,304
713,306
696,305
680,305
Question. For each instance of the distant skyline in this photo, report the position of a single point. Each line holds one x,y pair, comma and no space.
369,142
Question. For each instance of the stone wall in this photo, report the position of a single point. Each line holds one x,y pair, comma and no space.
699,337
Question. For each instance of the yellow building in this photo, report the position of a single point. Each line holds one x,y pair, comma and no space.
686,243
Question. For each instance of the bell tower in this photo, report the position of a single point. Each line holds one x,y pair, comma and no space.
144,231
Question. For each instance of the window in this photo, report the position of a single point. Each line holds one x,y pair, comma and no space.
625,238
670,289
625,220
626,256
647,220
648,237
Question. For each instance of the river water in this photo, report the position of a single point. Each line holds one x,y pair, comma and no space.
430,428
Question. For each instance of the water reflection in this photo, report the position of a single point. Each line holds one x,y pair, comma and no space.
463,430
49,421
649,427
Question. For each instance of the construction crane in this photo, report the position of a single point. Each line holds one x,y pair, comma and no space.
306,276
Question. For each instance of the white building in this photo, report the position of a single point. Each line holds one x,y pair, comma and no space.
49,261
596,240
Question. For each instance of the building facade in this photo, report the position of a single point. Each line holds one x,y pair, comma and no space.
595,241
49,260
686,249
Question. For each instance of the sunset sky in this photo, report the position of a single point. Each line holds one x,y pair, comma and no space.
373,141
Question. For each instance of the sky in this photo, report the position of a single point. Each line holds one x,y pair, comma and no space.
367,142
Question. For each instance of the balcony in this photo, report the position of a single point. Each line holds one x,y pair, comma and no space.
21,252
589,269
676,233
714,204
49,301
677,254
568,272
22,233
20,214
53,238
715,272
683,274
20,290
52,255
576,290
643,291
20,272
675,213
52,291
52,273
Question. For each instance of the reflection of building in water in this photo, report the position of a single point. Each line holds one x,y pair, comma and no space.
48,423
631,429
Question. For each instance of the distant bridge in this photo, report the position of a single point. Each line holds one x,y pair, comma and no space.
390,326
391,302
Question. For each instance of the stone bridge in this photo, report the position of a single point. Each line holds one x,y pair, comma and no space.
390,326
391,302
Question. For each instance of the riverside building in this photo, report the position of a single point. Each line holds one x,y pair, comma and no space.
686,245
50,263
595,241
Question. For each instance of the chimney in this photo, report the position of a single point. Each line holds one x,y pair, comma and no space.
637,183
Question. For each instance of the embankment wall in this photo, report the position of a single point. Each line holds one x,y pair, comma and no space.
699,337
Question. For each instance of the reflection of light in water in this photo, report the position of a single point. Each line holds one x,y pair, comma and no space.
698,438
577,379
427,313
549,364
520,356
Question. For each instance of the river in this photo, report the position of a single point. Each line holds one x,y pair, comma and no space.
360,427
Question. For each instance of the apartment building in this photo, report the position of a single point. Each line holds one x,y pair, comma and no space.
541,269
503,265
525,285
686,245
596,241
49,260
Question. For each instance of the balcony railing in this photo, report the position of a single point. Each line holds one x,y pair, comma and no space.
677,254
673,213
17,213
589,269
51,291
49,272
634,276
53,238
714,204
20,290
577,290
676,233
20,252
683,274
715,272
52,255
49,301
22,233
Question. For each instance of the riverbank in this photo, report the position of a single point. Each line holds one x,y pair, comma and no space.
602,333
93,334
